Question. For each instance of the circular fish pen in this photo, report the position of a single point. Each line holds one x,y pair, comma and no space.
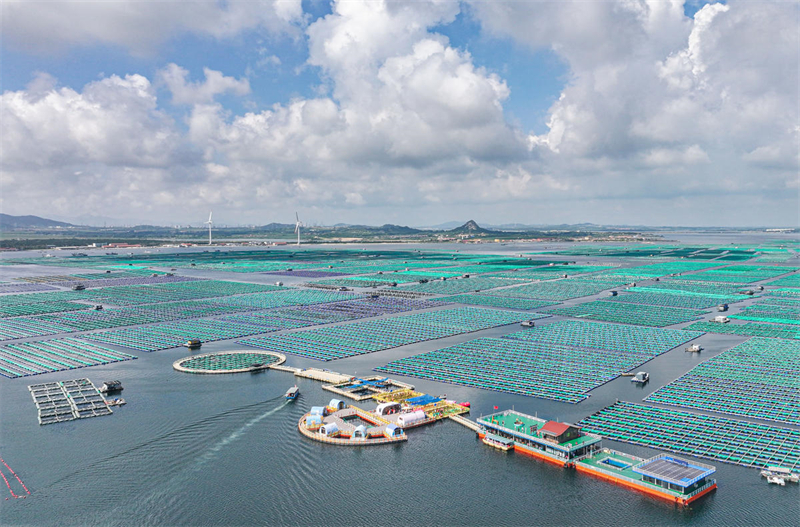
229,362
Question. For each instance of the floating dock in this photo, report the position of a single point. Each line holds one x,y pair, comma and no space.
363,388
323,375
57,402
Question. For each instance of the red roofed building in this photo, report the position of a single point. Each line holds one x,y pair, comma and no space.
559,432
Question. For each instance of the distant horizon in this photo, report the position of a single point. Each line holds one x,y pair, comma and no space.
441,226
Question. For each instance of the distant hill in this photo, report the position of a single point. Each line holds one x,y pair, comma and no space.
469,228
28,222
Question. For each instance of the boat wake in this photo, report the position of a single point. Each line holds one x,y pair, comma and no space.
159,467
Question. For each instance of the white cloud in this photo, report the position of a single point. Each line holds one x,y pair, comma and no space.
184,92
652,93
660,112
138,25
114,121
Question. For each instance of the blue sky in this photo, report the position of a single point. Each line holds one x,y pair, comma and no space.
373,112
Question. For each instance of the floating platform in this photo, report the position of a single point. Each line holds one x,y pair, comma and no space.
565,445
550,441
228,362
435,408
323,375
663,476
57,402
363,388
349,426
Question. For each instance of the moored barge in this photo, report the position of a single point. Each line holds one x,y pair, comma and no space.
664,476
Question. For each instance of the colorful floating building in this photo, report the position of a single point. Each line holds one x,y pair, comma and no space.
667,477
551,441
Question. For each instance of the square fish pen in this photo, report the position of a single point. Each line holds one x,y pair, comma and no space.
68,400
718,438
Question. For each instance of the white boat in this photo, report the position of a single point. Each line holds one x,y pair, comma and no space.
784,473
111,386
777,480
500,443
641,377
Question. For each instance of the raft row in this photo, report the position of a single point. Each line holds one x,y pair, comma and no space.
718,438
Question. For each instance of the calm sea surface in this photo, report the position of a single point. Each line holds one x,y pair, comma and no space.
225,450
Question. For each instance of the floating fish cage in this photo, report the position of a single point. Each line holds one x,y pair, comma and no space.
718,438
61,401
18,328
461,285
34,358
172,334
779,314
673,299
228,362
12,287
562,361
336,342
756,379
751,329
642,315
497,301
558,290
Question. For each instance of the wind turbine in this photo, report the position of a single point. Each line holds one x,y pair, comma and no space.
209,223
297,227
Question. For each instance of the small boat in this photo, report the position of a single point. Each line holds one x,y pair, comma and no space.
465,404
781,472
528,324
500,443
641,377
193,344
118,401
777,480
694,348
292,393
111,386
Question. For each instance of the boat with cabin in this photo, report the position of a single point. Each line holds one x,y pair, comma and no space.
292,393
498,442
111,386
641,377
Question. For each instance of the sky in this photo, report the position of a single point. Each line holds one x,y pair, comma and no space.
637,112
